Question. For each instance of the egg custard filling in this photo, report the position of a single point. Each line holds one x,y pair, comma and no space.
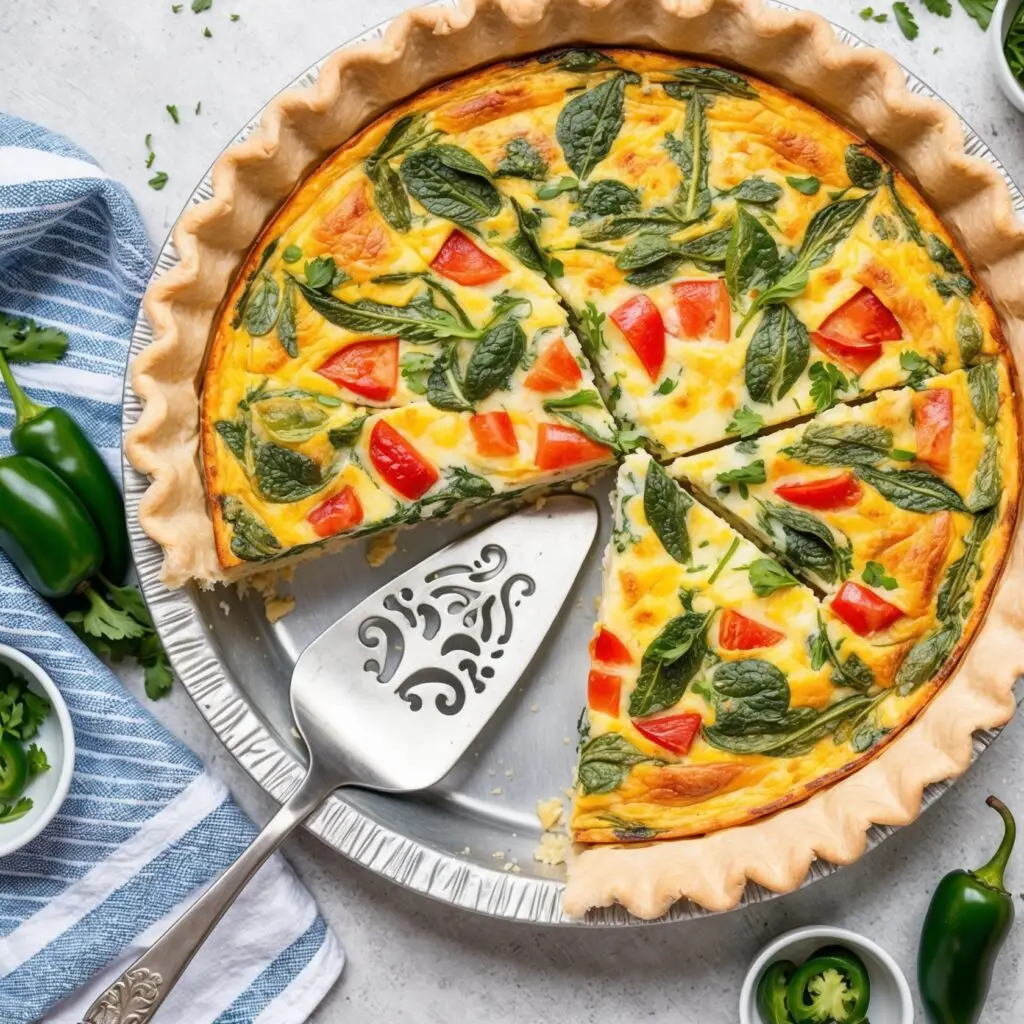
591,257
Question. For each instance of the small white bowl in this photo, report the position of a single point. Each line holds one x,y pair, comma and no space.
57,738
1002,18
890,994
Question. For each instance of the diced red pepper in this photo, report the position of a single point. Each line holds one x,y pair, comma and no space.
603,692
639,320
494,434
337,514
933,426
368,368
738,633
559,447
853,333
831,492
400,465
673,732
608,649
554,370
703,309
460,259
863,610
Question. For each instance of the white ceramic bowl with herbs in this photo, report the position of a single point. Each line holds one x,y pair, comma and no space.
29,695
1006,37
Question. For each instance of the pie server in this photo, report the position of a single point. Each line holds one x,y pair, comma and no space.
391,696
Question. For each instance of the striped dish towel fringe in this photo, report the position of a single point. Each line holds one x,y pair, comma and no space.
144,828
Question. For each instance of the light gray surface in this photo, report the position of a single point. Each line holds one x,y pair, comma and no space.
102,71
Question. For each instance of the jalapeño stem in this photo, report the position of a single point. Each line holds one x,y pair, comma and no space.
991,874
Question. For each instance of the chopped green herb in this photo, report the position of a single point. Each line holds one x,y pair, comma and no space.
874,575
808,186
173,111
725,559
158,181
198,6
743,477
942,8
766,576
207,33
826,381
980,10
905,19
902,455
868,14
199,107
745,422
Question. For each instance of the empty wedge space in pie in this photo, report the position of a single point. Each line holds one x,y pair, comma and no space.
593,257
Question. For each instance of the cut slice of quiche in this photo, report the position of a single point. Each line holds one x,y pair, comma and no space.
719,687
899,508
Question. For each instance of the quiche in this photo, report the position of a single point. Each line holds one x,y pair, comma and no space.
597,257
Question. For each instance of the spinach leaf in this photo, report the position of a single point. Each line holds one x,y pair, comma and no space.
347,435
755,190
853,672
844,444
926,657
588,397
830,226
287,322
777,354
461,485
290,420
915,490
443,388
406,132
578,59
671,660
766,576
665,508
605,762
691,153
589,124
556,188
419,321
243,299
251,540
234,434
795,734
494,360
284,475
988,480
389,197
751,258
806,540
319,272
809,186
904,212
261,311
711,248
954,593
713,80
521,160
657,273
749,696
459,159
743,477
526,245
452,193
607,196
863,169
647,248
969,336
983,385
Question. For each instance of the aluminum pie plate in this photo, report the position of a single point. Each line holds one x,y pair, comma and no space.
469,841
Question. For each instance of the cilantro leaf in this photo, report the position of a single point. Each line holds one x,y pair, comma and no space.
198,6
980,10
105,620
905,19
12,812
874,575
158,181
173,111
24,341
943,8
826,381
37,761
745,422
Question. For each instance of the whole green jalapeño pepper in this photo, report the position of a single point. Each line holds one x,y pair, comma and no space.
967,921
44,529
13,769
52,437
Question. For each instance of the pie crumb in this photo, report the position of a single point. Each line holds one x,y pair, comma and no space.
465,850
550,813
496,791
278,607
553,848
225,608
381,548
498,855
535,708
579,486
276,604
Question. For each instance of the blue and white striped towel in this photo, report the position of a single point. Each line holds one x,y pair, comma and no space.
144,828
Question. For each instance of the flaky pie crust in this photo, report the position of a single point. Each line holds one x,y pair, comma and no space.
798,51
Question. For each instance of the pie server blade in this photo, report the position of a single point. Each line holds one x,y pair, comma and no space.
392,694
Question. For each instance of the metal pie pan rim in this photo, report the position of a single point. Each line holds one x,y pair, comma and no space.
408,862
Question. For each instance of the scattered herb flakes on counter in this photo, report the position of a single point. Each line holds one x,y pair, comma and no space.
868,14
158,181
198,6
176,8
207,33
199,107
22,711
943,8
173,111
979,10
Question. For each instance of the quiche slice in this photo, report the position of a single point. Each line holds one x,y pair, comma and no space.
354,385
729,253
900,509
720,688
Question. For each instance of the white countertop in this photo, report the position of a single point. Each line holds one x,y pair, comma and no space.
101,72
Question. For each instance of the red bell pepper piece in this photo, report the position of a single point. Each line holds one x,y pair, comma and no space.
738,633
703,309
339,513
559,447
367,368
863,610
603,692
494,434
461,260
853,333
639,320
673,732
831,492
933,426
608,649
400,465
554,370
